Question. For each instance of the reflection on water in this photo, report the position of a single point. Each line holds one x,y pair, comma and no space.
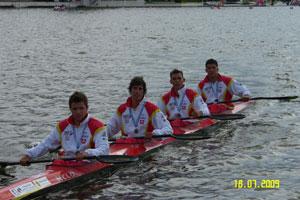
46,55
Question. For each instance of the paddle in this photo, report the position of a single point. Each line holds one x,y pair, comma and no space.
184,136
285,98
115,159
218,117
178,137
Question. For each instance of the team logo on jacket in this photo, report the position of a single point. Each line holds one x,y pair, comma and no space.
84,137
83,140
142,121
184,106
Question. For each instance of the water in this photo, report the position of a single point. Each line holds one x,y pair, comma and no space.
46,55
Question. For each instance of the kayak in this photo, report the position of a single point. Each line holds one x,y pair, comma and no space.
61,174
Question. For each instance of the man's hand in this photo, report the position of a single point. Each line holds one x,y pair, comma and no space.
25,160
81,155
246,98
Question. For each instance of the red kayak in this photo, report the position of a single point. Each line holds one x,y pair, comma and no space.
62,174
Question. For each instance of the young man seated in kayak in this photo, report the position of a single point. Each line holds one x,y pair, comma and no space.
80,135
138,117
180,101
216,88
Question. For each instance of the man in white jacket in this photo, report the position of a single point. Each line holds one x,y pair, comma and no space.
180,101
79,135
216,88
138,117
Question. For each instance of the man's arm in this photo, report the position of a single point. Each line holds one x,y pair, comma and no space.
240,90
161,125
200,106
52,141
101,144
114,125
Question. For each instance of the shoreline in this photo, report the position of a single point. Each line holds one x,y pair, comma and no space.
118,4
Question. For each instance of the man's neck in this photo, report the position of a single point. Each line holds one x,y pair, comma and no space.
213,79
135,103
77,123
178,88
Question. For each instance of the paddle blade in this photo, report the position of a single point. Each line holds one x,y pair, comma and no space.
3,172
190,137
117,159
3,164
286,98
218,117
8,163
228,116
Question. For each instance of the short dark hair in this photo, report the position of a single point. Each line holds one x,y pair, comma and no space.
136,81
175,71
211,61
78,97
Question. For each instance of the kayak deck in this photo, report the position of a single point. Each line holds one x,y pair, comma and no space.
60,175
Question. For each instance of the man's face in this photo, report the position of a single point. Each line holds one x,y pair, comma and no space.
137,92
79,111
177,80
212,71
